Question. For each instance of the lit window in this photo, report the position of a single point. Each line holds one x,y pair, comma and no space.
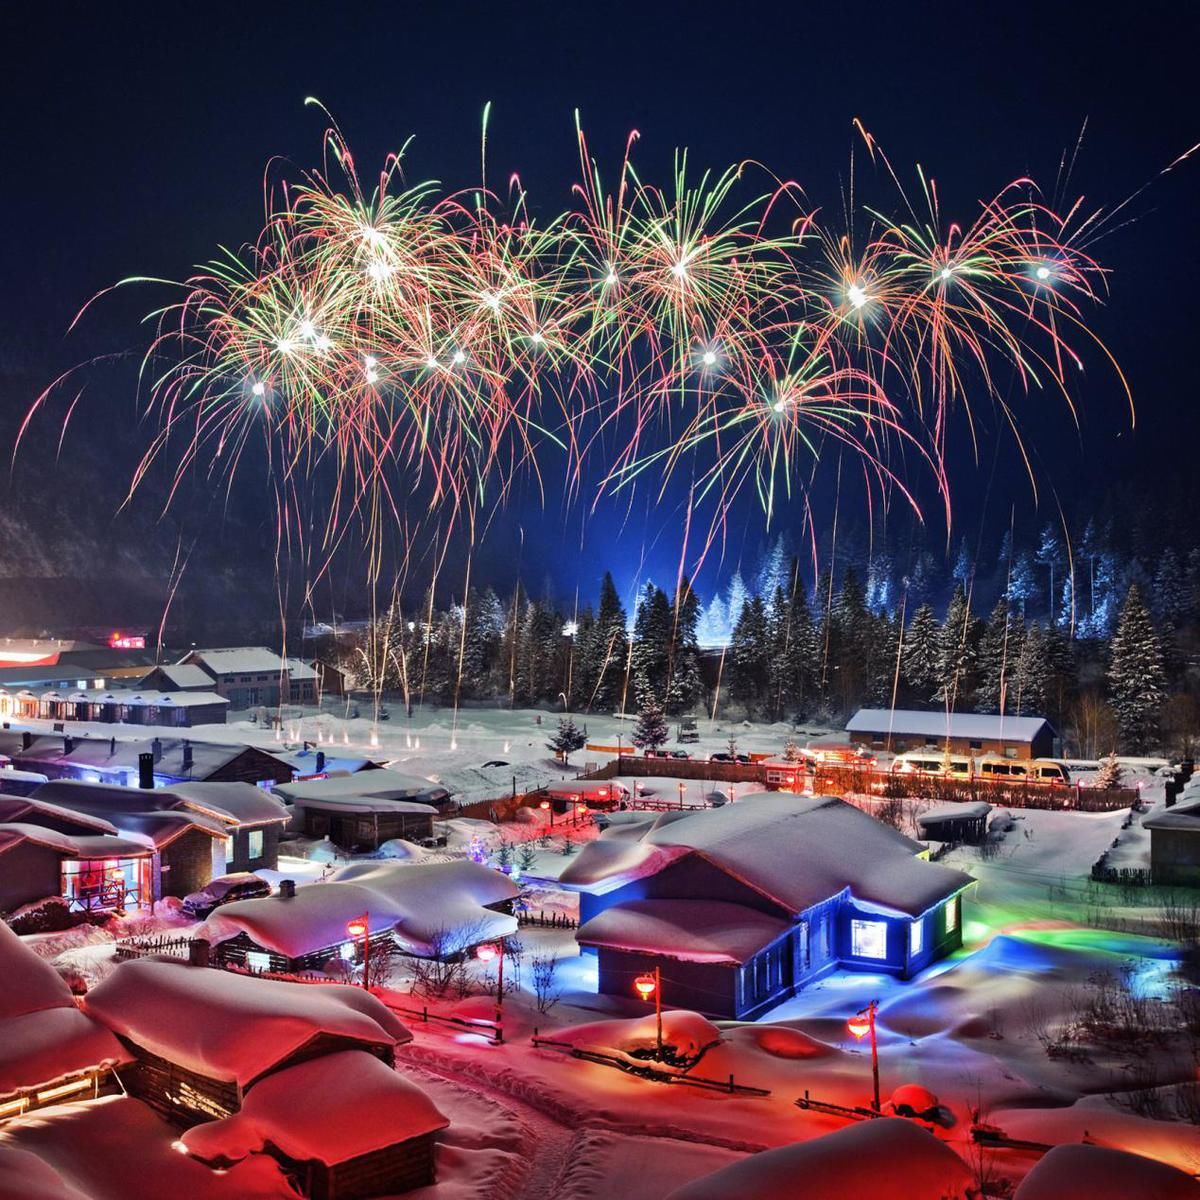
258,960
952,915
868,939
916,938
255,843
229,849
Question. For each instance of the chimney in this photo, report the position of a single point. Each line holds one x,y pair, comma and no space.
187,756
146,771
198,952
287,889
320,761
156,747
26,740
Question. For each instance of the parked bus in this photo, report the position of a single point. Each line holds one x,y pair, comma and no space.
930,762
990,766
1038,770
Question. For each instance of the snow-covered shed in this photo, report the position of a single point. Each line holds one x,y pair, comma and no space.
1175,844
362,810
898,729
595,793
1086,1172
886,1157
965,822
741,906
49,1051
198,1039
429,910
361,1131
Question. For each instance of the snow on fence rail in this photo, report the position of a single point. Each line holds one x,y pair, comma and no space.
647,1070
142,947
835,779
541,920
474,1024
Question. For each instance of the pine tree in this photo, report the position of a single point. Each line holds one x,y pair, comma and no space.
852,646
772,573
651,730
1022,582
568,738
603,652
1028,693
919,658
956,653
651,639
1050,554
803,652
713,627
791,752
1170,599
736,601
881,685
963,566
880,588
748,653
1109,775
683,669
999,648
1136,678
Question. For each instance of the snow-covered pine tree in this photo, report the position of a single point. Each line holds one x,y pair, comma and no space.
748,655
1050,554
650,733
713,627
1169,594
963,564
651,637
880,587
999,648
1136,680
568,739
683,688
919,658
1027,694
772,573
791,752
1109,775
1022,582
956,653
882,683
736,598
604,651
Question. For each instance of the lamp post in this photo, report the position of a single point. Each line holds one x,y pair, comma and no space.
546,806
580,809
360,927
681,787
861,1024
486,953
651,985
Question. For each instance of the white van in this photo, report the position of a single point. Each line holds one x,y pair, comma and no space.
932,762
1036,770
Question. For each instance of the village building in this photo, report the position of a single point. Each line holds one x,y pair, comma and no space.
178,677
427,910
50,1052
741,906
965,822
144,762
247,676
972,734
304,681
1175,843
250,1066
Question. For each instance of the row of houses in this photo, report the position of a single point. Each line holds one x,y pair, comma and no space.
210,1064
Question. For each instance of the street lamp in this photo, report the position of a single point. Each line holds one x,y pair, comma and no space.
862,1024
580,809
486,954
681,787
360,927
545,806
651,985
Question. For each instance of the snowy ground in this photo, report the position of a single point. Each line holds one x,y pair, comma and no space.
1040,939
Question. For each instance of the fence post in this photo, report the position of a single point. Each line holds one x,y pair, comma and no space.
731,1083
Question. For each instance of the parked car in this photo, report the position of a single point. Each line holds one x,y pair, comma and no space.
658,754
680,754
225,889
721,756
495,762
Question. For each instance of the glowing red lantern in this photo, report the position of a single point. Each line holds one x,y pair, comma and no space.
645,986
859,1025
485,953
357,928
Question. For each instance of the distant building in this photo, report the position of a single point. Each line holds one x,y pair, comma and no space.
900,730
740,907
178,677
303,681
247,676
118,706
1175,844
959,822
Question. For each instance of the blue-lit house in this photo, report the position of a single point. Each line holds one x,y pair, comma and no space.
741,906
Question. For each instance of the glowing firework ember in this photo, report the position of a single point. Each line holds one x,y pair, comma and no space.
436,345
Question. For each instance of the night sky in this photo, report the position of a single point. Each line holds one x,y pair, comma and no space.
137,138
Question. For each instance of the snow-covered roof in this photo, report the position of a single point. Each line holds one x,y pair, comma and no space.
568,789
238,660
885,1157
429,907
139,697
1085,1172
228,1026
353,1104
796,851
19,808
299,669
1178,816
184,675
234,804
73,845
162,828
710,931
118,755
967,811
941,724
344,790
43,1036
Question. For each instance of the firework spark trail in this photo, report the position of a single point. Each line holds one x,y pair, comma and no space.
433,348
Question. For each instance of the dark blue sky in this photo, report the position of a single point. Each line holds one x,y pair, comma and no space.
136,138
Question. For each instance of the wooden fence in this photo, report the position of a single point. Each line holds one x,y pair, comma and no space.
540,920
851,779
143,947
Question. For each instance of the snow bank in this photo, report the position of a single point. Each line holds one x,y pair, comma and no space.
1098,1173
687,1033
885,1157
24,1176
30,984
228,1026
353,1104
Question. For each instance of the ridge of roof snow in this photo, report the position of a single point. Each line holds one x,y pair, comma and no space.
940,724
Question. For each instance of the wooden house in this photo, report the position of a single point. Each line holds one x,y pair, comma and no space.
899,730
966,822
739,907
1175,844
